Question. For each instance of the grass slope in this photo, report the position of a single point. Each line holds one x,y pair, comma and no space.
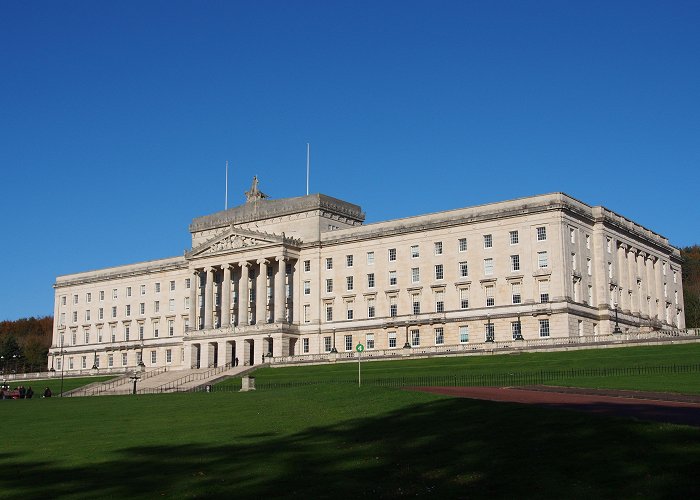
334,441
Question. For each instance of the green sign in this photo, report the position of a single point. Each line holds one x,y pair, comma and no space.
359,348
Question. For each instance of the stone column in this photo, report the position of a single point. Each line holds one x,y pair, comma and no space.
651,286
279,297
632,269
193,301
261,294
623,274
259,351
209,297
243,295
660,289
226,297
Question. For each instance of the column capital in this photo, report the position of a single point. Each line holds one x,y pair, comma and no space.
262,261
281,258
244,263
226,266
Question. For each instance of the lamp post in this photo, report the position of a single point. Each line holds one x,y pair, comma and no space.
63,365
407,345
269,345
617,325
489,331
94,361
135,377
333,349
2,364
519,333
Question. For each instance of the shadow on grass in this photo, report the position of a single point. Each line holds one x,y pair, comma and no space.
449,448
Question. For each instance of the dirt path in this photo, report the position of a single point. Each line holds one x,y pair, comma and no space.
661,407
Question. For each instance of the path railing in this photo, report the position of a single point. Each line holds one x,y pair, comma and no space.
192,377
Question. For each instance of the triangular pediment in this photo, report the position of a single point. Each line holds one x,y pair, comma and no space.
235,239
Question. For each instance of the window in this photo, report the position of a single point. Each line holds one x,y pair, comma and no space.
515,262
307,288
139,357
415,252
63,300
439,272
608,244
110,360
74,337
307,266
114,294
157,286
675,277
349,283
393,307
102,295
462,245
154,357
415,301
488,267
463,270
87,336
392,278
490,299
515,329
88,297
168,355
75,299
307,313
438,248
515,292
327,344
140,331
663,268
415,338
87,315
329,312
544,291
97,361
101,313
590,295
370,308
572,235
589,268
171,305
127,332
542,260
370,258
305,345
488,241
541,233
142,289
187,303
544,328
439,336
573,261
392,339
329,262
128,310
329,285
128,291
440,301
463,334
62,321
156,332
113,331
588,241
171,328
75,316
464,298
156,306
392,255
370,280
514,237
348,260
142,308
415,275
172,286
99,334
610,270
348,342
370,341
124,359
188,283
349,309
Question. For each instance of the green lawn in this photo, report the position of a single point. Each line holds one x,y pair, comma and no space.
335,440
628,366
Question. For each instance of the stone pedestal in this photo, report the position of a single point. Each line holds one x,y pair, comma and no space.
247,383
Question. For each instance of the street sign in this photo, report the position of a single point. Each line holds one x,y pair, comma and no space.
359,348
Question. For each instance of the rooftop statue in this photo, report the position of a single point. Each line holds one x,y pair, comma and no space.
255,194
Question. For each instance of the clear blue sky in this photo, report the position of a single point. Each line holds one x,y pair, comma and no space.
116,118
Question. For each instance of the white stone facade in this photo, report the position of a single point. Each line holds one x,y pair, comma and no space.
317,279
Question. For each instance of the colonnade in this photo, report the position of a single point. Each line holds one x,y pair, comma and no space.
641,280
259,294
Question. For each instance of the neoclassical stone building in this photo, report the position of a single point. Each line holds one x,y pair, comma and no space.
304,275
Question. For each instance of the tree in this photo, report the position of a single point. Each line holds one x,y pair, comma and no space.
691,285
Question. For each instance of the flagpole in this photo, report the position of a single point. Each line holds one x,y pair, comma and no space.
308,152
226,198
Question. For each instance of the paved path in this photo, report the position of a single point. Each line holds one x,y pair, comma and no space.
661,407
